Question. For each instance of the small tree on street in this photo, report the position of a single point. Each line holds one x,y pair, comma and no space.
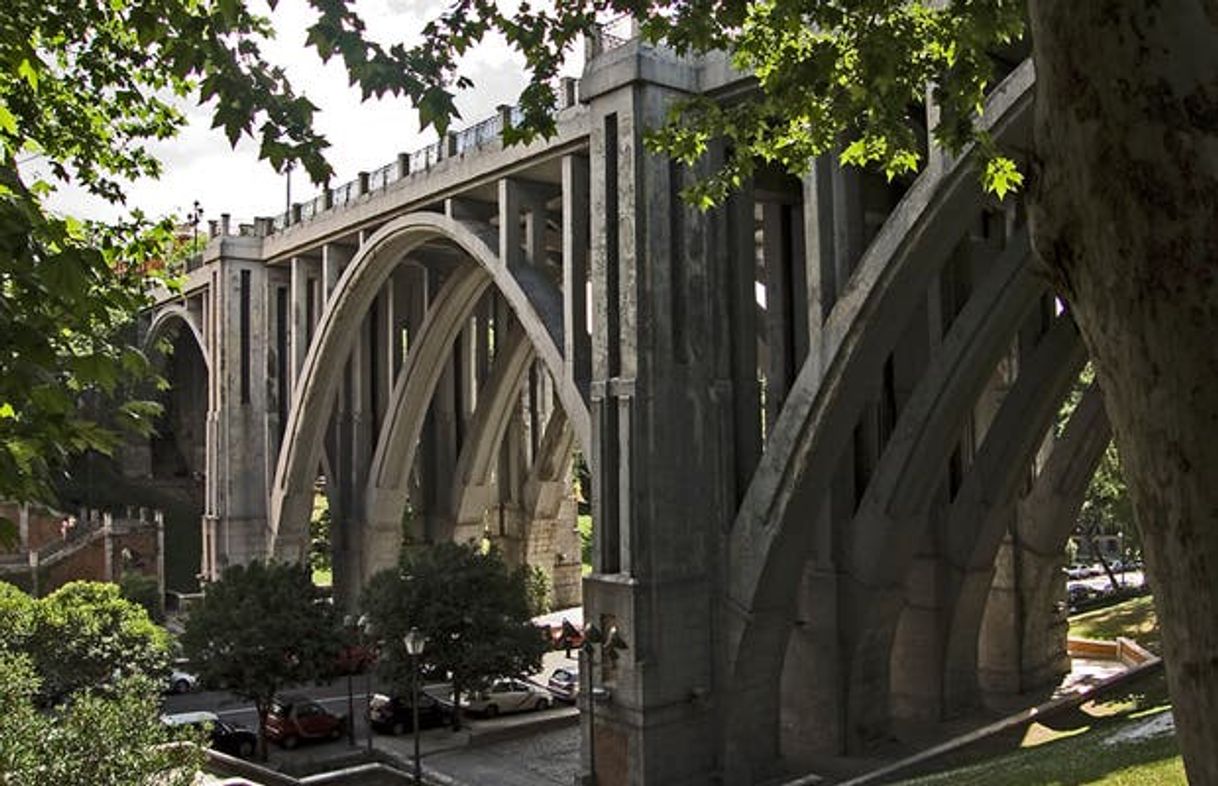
473,610
259,629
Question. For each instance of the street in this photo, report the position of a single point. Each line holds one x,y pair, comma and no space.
532,756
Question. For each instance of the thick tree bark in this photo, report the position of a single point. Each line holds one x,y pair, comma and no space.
1124,211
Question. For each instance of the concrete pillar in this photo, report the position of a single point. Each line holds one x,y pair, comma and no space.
304,275
811,692
778,229
916,672
239,326
848,223
510,240
440,451
577,350
672,315
334,259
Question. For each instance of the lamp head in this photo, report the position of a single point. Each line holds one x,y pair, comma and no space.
614,642
592,634
415,642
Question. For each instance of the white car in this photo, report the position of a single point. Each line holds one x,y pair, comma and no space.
181,682
506,696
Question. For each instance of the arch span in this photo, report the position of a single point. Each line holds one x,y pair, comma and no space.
769,543
165,317
534,299
472,475
894,512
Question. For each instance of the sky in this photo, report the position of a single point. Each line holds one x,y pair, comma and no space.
200,165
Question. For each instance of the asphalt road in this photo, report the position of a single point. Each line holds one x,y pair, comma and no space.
332,696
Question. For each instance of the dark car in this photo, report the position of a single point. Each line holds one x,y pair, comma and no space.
295,719
564,683
394,715
230,738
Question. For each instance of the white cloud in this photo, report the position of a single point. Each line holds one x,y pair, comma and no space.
200,165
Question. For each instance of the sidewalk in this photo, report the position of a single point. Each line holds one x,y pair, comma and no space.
439,743
436,745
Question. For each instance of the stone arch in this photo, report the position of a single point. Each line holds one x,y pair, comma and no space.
1046,517
537,304
893,515
167,316
387,490
471,478
768,546
547,492
977,519
187,436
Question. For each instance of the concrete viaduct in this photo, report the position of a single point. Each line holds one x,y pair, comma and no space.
829,493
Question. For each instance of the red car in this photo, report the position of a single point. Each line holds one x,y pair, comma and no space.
295,719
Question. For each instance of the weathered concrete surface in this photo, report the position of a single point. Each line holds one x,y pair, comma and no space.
807,416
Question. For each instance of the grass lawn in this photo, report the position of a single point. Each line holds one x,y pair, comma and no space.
1134,619
1083,758
1075,747
1078,747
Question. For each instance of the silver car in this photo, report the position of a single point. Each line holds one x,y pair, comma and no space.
505,696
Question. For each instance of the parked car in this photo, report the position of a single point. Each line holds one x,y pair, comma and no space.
505,696
564,683
394,715
294,719
180,681
1078,594
231,738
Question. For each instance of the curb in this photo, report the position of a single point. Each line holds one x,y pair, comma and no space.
509,731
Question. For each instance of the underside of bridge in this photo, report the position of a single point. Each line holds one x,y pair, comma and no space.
830,495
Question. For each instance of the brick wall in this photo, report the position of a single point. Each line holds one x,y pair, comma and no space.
87,563
44,524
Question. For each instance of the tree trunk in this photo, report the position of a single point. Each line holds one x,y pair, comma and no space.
1124,214
263,708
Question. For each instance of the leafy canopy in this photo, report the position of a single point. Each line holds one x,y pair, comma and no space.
260,628
833,76
81,637
85,86
473,610
100,739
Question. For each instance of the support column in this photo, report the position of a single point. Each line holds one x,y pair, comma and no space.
664,401
334,259
240,332
304,275
510,241
577,349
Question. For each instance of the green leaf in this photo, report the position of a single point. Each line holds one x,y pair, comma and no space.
8,121
1002,176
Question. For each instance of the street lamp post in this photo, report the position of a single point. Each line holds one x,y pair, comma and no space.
369,642
350,625
195,215
609,644
415,642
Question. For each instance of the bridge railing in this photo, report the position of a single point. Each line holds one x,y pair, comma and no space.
467,140
611,34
